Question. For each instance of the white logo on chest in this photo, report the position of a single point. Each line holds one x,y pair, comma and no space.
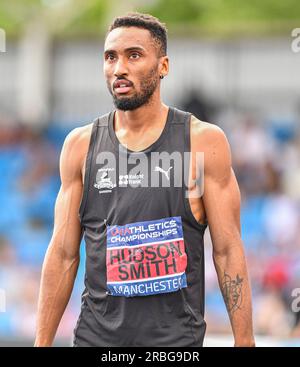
104,182
166,173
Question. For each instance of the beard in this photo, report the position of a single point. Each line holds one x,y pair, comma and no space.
148,86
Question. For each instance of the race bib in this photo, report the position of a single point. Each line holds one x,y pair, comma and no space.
146,258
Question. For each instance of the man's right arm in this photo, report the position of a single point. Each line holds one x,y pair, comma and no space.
62,256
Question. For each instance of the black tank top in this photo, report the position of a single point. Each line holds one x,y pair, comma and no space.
144,280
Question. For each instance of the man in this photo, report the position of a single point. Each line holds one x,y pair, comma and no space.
144,283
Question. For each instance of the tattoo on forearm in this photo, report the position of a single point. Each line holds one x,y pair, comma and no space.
232,292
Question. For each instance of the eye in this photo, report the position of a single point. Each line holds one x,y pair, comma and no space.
135,55
110,57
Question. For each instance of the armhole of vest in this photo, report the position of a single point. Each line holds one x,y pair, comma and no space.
185,198
88,162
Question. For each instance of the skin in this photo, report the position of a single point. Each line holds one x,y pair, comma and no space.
219,205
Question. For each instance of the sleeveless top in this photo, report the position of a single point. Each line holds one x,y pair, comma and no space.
144,278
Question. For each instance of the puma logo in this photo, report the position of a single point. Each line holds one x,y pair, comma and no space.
166,173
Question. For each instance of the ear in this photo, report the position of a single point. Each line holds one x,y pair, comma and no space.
163,67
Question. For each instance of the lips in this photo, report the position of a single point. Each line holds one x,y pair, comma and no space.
122,86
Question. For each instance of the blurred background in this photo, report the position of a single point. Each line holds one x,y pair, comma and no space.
232,63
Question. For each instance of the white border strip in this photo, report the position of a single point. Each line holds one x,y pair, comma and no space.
146,279
145,244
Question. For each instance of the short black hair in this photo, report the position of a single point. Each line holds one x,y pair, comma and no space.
156,28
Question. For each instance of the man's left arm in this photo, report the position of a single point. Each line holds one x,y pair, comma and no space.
221,199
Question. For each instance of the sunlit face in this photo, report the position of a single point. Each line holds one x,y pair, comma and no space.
131,66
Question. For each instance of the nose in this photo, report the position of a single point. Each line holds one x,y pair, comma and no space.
120,68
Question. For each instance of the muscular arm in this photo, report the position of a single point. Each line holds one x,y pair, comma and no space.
62,256
221,200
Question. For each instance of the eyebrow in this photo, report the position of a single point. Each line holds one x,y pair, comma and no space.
133,48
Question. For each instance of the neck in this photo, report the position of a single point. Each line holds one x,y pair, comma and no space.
143,118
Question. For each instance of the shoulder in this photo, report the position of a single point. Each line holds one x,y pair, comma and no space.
212,141
75,148
206,132
78,140
79,135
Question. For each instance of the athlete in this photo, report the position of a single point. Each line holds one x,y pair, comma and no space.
143,204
